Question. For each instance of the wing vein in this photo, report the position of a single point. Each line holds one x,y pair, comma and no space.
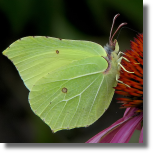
95,97
80,97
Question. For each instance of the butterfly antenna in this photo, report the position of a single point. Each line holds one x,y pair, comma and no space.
112,27
122,24
111,37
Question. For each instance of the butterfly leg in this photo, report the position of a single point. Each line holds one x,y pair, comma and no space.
117,76
119,63
120,54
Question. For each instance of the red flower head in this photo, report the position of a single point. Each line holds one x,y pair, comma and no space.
134,94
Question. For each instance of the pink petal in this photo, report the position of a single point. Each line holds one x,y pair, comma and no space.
120,131
127,110
141,136
98,136
139,127
125,131
130,111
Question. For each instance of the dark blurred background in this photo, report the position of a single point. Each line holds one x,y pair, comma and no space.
69,19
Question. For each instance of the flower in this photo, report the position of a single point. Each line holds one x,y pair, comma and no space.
122,130
134,94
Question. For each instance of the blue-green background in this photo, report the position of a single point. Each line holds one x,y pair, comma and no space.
70,19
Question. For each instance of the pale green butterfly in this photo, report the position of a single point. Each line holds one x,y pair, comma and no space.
70,81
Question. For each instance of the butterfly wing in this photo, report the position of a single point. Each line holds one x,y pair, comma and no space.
68,82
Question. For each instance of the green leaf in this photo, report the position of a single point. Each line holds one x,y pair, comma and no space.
70,82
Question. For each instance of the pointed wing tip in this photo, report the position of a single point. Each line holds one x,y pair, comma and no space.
4,52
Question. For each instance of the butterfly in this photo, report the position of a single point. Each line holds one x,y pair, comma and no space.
70,81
